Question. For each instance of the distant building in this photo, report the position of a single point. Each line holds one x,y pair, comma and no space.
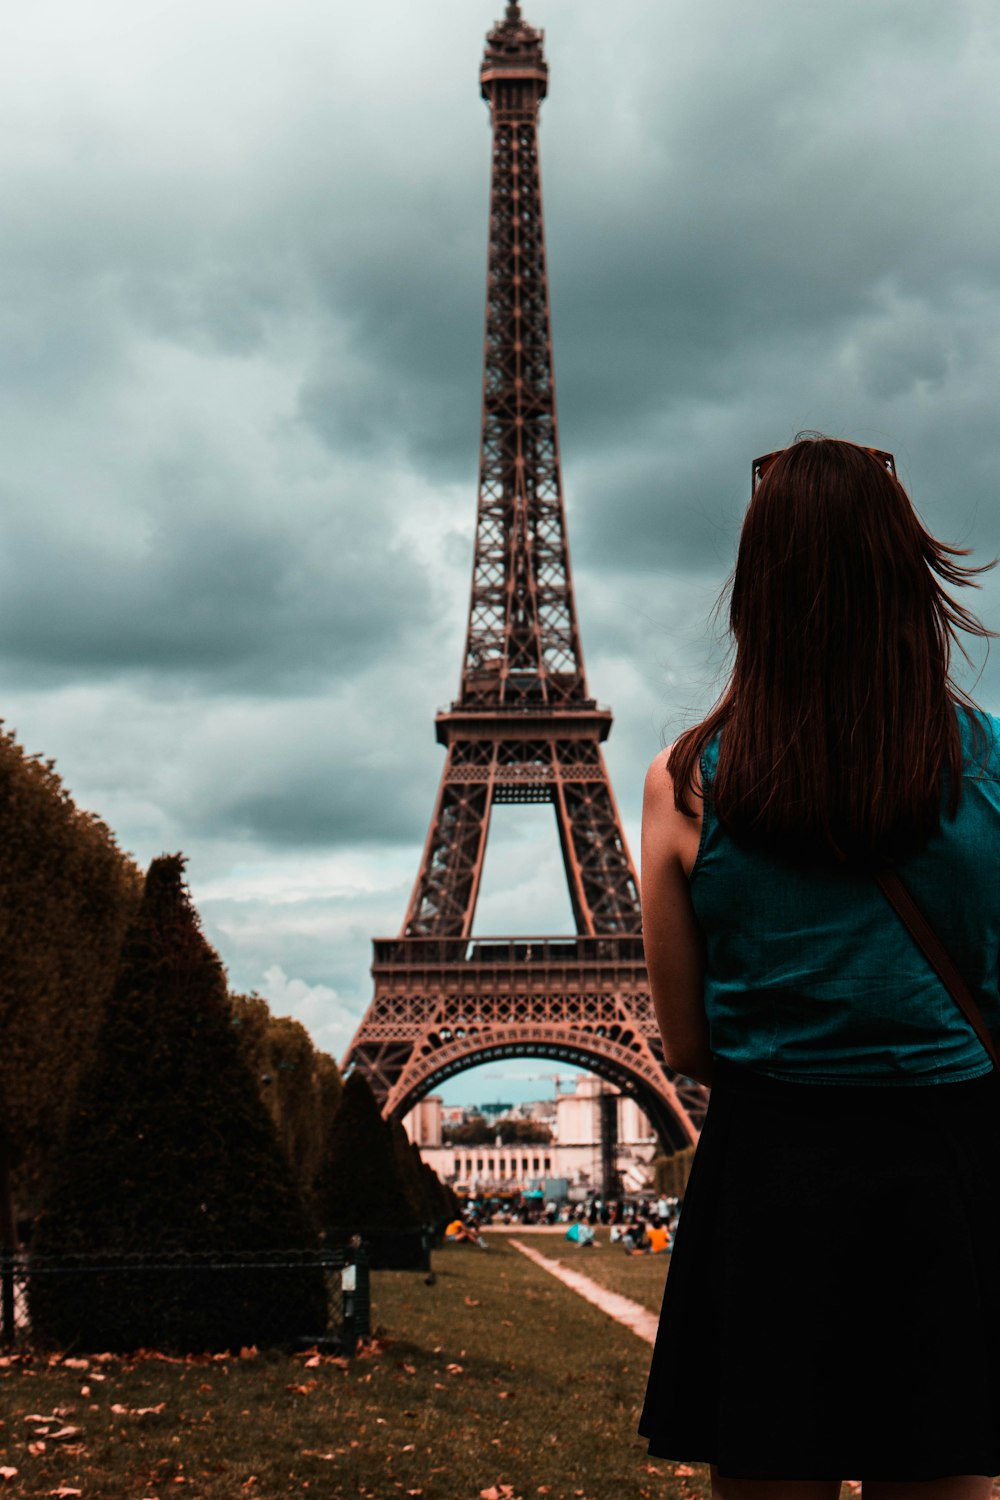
574,1153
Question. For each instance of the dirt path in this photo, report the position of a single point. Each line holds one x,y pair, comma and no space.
641,1321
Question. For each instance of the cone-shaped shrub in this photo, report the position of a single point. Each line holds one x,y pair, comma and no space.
170,1152
360,1184
409,1165
69,894
299,1086
436,1197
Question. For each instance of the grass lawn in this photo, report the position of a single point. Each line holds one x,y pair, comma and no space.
497,1382
497,1376
640,1277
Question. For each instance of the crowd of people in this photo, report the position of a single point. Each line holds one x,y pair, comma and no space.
641,1226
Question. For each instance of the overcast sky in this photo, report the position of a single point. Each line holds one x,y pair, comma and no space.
243,253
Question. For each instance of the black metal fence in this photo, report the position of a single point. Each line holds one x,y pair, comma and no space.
344,1267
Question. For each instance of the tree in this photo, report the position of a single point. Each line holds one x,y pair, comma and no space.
409,1165
438,1204
68,895
671,1173
170,1151
299,1086
360,1184
478,1131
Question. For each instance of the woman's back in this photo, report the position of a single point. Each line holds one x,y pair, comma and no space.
809,972
824,1332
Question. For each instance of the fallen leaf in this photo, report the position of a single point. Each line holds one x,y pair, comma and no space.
408,1448
6,1472
369,1347
250,1352
454,1369
36,1449
65,1492
64,1434
683,1471
76,1364
311,1364
303,1390
472,1302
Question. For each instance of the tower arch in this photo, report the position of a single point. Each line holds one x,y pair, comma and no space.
671,1109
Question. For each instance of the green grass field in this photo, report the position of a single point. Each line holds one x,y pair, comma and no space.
498,1381
640,1277
496,1376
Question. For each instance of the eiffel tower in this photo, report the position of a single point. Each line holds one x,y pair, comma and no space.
523,728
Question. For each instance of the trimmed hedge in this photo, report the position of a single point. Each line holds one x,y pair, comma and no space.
69,894
169,1151
361,1183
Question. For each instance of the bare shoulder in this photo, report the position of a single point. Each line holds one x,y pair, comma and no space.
667,831
660,783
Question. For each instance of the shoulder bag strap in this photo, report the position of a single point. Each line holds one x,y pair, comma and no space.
937,955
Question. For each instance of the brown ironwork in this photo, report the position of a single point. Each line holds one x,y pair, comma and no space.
523,728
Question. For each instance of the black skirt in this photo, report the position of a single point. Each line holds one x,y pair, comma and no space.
832,1309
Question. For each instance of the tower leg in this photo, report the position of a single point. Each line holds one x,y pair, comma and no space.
444,896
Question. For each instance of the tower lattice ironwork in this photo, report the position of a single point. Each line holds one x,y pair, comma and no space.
523,728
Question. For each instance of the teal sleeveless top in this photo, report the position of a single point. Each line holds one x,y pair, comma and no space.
810,975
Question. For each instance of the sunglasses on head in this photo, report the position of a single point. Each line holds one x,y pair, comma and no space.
760,466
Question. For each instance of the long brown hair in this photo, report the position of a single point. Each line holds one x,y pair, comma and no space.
839,724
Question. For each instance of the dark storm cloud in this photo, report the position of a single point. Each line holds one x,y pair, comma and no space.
245,254
237,598
315,802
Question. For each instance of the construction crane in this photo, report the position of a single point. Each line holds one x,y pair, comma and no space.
531,1078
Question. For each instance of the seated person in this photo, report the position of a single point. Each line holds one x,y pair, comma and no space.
459,1230
659,1239
636,1239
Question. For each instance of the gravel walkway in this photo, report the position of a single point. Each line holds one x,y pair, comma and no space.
622,1309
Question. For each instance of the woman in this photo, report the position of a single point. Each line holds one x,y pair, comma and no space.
812,1330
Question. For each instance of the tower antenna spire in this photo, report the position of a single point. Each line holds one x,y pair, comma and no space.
513,10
